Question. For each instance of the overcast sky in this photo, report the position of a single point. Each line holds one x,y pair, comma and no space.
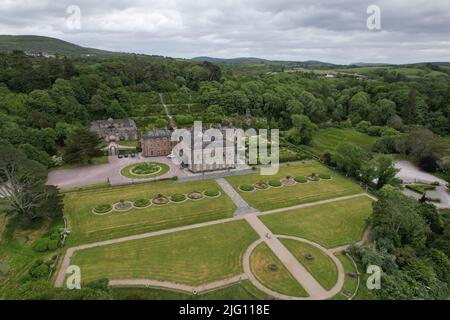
333,31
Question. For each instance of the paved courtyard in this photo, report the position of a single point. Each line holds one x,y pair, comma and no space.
76,177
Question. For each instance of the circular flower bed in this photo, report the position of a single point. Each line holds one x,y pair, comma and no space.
212,193
103,208
142,203
313,177
123,205
301,179
195,195
247,187
275,183
261,185
178,197
324,176
288,182
160,200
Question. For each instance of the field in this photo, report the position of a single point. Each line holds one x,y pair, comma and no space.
330,225
191,257
297,194
279,280
322,268
88,227
330,138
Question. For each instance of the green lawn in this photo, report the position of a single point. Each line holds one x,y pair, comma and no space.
350,283
330,225
191,257
242,291
330,138
300,193
87,227
322,268
128,143
126,172
279,280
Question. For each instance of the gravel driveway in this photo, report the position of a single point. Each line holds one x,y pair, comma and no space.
72,178
410,173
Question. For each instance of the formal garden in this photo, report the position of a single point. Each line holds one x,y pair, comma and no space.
112,212
294,184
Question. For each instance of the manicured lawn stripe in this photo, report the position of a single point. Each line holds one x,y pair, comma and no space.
322,268
330,225
191,257
279,280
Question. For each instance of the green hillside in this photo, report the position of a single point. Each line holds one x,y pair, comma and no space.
48,45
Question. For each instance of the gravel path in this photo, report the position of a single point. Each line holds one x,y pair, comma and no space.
242,206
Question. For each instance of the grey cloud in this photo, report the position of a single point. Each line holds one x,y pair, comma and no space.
335,31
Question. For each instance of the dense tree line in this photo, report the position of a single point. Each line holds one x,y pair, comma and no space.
414,264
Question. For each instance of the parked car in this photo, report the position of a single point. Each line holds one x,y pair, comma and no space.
170,156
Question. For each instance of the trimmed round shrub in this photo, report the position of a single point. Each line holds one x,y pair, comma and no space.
195,195
41,245
275,183
247,187
141,203
301,179
178,197
324,176
103,208
212,193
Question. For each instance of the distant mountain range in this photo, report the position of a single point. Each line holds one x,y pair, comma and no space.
39,44
253,60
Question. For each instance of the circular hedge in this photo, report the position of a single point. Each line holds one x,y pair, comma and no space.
103,208
178,197
313,177
247,187
275,183
145,170
301,179
261,185
324,176
195,195
212,193
141,203
160,199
